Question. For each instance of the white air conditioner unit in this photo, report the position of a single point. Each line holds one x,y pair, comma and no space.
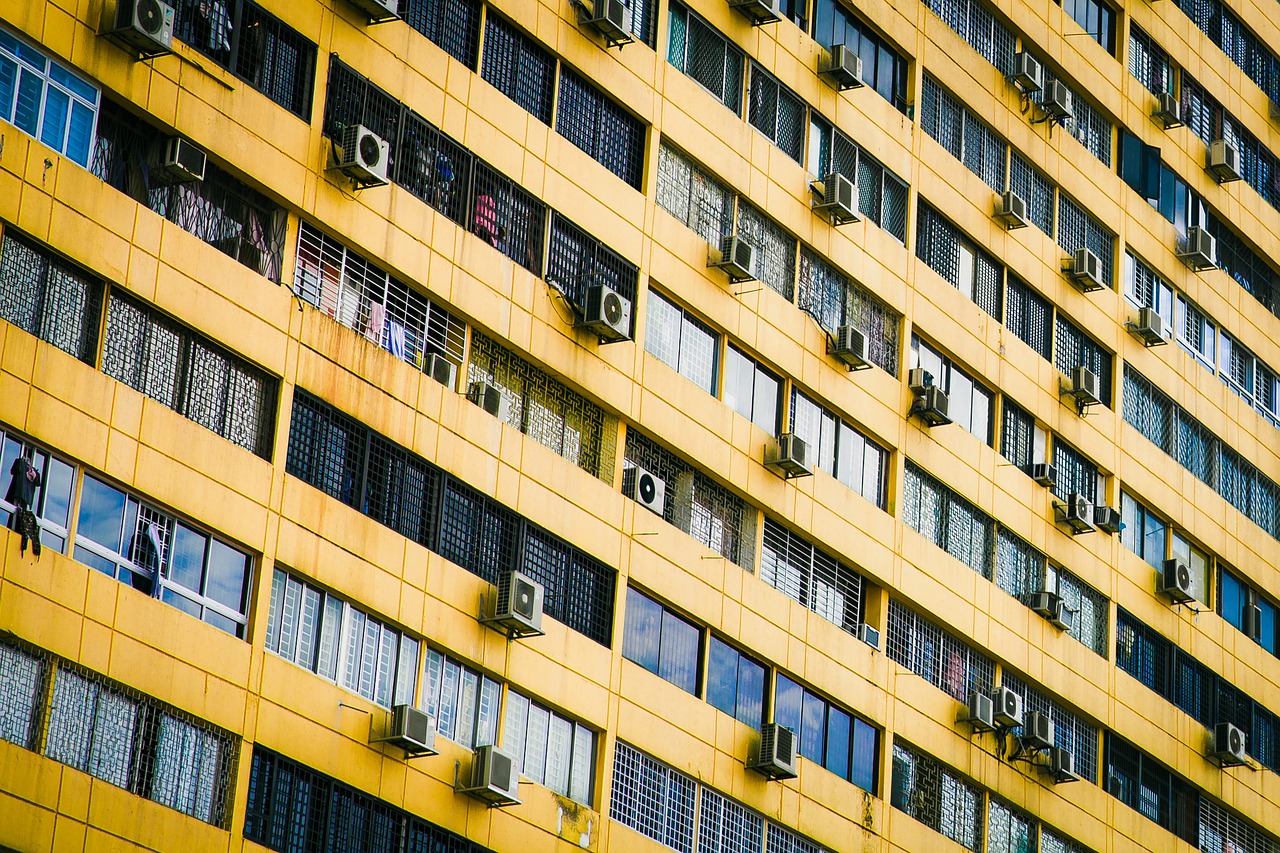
737,257
843,68
1224,161
1200,251
144,26
517,606
1085,386
442,370
758,11
494,777
607,313
931,407
609,19
1168,110
776,753
918,380
1086,270
1076,513
1251,622
179,162
1175,580
788,456
1037,731
645,488
1148,328
869,635
1061,766
1056,103
490,398
378,10
1107,519
412,731
1044,474
981,713
1012,210
1028,73
837,198
1051,606
1229,745
1007,707
363,156
850,346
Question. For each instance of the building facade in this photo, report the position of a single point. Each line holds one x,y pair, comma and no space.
765,426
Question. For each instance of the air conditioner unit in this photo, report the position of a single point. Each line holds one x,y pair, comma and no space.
1224,161
981,713
1251,622
378,10
494,777
645,488
1061,766
1056,103
490,398
850,346
1012,210
758,11
844,68
1086,270
1229,745
517,606
869,635
776,755
1107,519
179,162
737,258
1076,513
1200,251
1168,110
1037,731
442,370
838,199
607,313
931,406
1007,707
1085,386
788,457
919,379
1148,328
609,19
1044,474
1175,580
144,26
1028,73
1051,606
363,156
412,731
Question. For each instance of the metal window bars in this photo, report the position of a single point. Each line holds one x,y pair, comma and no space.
48,297
576,261
1149,62
796,568
694,196
1072,732
593,122
936,796
919,645
454,25
1073,348
519,67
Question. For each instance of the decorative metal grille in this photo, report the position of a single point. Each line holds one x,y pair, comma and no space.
1035,189
1070,731
1225,29
519,67
1075,473
1009,830
975,24
775,249
693,195
256,46
924,648
948,520
699,50
592,121
1149,62
1076,349
834,300
697,504
878,322
23,681
1091,608
1052,842
1020,568
452,24
576,261
936,796
777,112
188,373
796,568
47,297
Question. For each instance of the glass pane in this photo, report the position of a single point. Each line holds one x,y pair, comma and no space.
186,565
678,661
227,578
838,734
643,630
101,513
722,676
787,704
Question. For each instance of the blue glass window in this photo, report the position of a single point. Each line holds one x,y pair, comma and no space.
735,683
661,642
829,735
45,99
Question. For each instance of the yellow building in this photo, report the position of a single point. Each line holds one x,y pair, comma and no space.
716,425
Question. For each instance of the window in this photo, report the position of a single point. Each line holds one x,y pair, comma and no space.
51,501
1234,596
883,67
775,250
751,390
1018,436
1090,127
256,46
947,520
1149,62
954,257
735,683
682,342
695,503
22,687
828,734
46,99
1071,732
1146,289
1200,563
463,702
1197,332
936,796
1035,189
842,451
550,749
590,120
792,565
693,195
882,195
1209,120
834,300
1076,474
914,642
47,297
1096,18
1008,829
328,636
1225,29
576,261
662,642
452,24
777,112
1076,349
699,50
162,556
1021,570
1148,787
974,23
945,118
190,374
1078,230
969,404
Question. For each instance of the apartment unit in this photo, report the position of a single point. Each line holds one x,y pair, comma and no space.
627,425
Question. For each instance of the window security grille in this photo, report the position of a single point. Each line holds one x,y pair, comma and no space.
576,261
1076,474
452,24
937,796
1225,29
592,121
694,196
974,23
948,520
49,298
1008,829
1079,230
835,300
1035,189
1090,127
811,577
1209,120
1070,731
777,112
1091,609
1145,785
1149,62
957,259
699,50
936,656
1074,348
775,249
519,67
1017,435
962,133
